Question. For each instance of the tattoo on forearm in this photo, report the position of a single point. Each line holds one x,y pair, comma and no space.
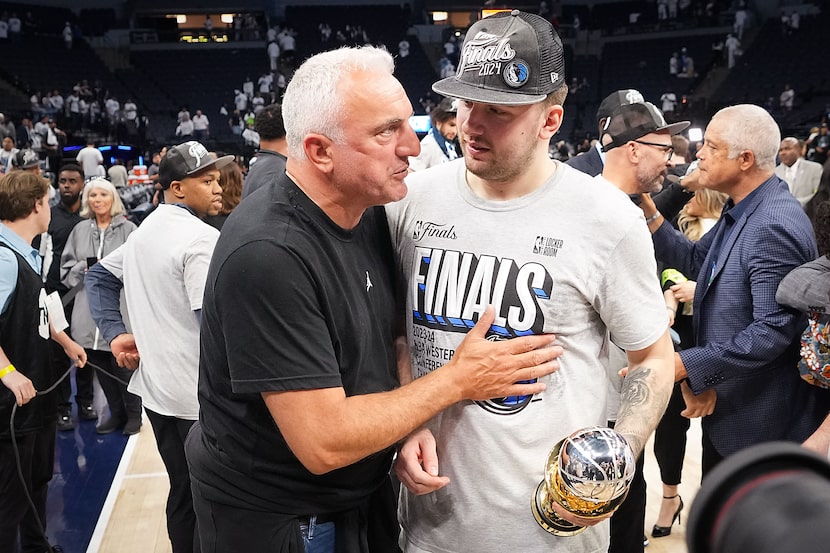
641,407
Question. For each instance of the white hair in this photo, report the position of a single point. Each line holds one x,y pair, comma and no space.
312,103
98,182
751,128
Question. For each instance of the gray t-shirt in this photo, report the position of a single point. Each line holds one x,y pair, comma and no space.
573,258
164,265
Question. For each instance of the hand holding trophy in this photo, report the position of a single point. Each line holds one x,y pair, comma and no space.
588,474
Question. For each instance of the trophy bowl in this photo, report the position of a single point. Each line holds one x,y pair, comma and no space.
588,474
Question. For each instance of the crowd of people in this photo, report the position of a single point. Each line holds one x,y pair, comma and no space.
362,304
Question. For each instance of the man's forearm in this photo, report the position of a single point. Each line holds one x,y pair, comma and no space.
104,293
327,430
645,394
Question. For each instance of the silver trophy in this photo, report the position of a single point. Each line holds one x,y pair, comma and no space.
587,474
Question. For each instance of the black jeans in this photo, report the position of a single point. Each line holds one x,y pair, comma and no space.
170,434
83,380
123,404
37,457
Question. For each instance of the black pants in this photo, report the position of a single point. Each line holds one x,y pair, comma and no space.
170,434
244,530
123,404
629,520
83,380
670,440
37,457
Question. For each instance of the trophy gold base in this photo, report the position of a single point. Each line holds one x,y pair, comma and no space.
548,519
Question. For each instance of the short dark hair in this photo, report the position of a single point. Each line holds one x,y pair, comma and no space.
269,123
19,191
72,167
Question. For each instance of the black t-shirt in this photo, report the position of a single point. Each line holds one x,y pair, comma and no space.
60,227
265,169
292,302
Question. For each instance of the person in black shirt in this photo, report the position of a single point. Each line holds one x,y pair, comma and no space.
269,162
300,407
24,363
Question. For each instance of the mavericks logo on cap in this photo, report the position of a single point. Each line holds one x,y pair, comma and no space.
516,73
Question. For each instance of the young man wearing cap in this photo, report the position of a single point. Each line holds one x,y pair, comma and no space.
553,251
163,266
25,367
300,403
740,374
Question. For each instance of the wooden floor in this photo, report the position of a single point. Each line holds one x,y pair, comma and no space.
133,521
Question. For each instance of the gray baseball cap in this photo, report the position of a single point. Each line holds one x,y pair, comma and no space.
511,58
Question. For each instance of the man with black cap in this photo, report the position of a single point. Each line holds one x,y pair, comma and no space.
672,195
552,251
162,267
27,159
637,144
637,148
592,161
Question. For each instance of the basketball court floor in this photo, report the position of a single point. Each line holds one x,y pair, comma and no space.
108,494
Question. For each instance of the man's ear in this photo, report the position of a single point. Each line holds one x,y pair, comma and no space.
317,148
552,121
746,159
177,189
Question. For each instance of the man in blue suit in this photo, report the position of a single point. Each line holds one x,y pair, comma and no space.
741,376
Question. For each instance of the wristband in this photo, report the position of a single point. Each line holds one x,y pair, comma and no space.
672,309
9,369
653,218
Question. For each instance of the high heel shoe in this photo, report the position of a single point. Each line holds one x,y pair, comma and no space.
663,531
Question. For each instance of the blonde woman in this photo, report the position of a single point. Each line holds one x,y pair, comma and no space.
701,213
103,229
696,218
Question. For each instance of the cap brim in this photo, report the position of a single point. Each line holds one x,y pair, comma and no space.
218,163
454,88
675,128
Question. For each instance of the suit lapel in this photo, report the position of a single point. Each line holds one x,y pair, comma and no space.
755,200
